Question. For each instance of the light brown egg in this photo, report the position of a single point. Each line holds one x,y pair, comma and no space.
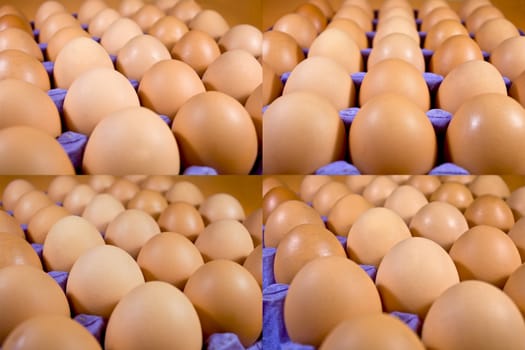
185,10
253,106
185,191
67,240
425,264
298,27
321,136
354,296
123,190
324,6
489,184
152,202
220,206
517,89
489,210
274,197
160,183
77,199
508,57
9,9
89,9
94,95
516,202
280,51
253,264
437,15
454,193
301,245
118,34
356,14
363,4
29,204
18,39
99,279
46,9
352,29
235,305
68,67
514,288
17,112
17,251
101,182
146,16
9,21
461,179
215,130
469,6
17,64
409,147
54,23
471,326
165,5
52,332
196,48
327,195
386,13
310,184
253,223
373,234
396,25
287,216
442,31
226,69
330,44
324,77
427,184
101,22
397,45
452,52
101,210
361,333
471,249
168,29
406,201
61,38
470,134
357,184
20,303
8,224
42,221
169,257
128,7
270,182
495,31
378,190
480,15
314,14
210,22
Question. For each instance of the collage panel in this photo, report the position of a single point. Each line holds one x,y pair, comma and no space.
133,262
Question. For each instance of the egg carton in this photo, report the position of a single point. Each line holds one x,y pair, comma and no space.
96,325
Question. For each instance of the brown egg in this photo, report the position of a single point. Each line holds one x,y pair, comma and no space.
99,279
310,184
345,212
395,76
20,65
185,191
489,210
364,5
215,130
452,52
467,80
123,190
361,333
50,332
330,43
356,14
18,39
185,10
454,193
480,15
8,9
54,23
101,21
221,206
94,95
17,112
210,22
462,179
269,182
101,210
8,224
254,106
183,218
128,7
29,204
298,27
415,137
68,68
327,195
354,296
40,224
314,14
352,29
324,6
118,34
169,30
274,197
406,201
77,199
17,251
471,249
321,136
324,77
489,184
386,13
378,190
253,223
495,31
160,183
514,288
301,245
89,9
357,184
169,257
516,202
469,6
20,303
101,182
61,38
69,238
517,89
196,48
471,326
146,16
373,234
437,15
508,57
427,184
470,134
236,303
426,265
397,45
225,69
9,21
152,202
46,9
253,264
287,216
280,51
396,25
441,31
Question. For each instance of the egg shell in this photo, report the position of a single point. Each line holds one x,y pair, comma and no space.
8,21
242,36
185,10
356,14
147,16
324,6
514,288
442,31
378,190
314,14
152,202
253,223
330,43
42,221
211,22
508,57
101,21
220,206
46,9
128,7
298,27
480,15
310,184
327,195
253,263
196,48
427,184
18,39
274,197
159,183
17,251
118,34
495,31
352,29
123,190
185,191
452,52
397,45
396,25
77,199
454,193
8,224
437,15
29,204
101,210
89,9
489,184
54,23
20,65
169,30
280,51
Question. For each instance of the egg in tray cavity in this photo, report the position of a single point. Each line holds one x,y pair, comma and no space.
451,64
114,86
88,262
424,261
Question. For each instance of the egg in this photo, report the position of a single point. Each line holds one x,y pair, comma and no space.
67,240
330,43
101,182
50,331
489,184
123,190
89,9
427,184
101,210
361,333
396,25
118,34
454,193
61,38
100,278
397,45
253,106
29,204
146,16
237,66
356,14
324,6
169,257
17,251
101,21
508,56
274,197
152,202
54,23
412,262
298,27
314,14
9,21
409,147
489,210
8,224
355,296
46,9
443,30
352,29
493,32
13,191
169,30
77,199
327,195
227,299
253,223
18,39
42,221
280,51
480,15
469,6
392,11
160,183
185,191
185,10
437,15
253,264
211,22
452,52
128,7
357,184
220,206
310,184
301,245
378,190
19,65
514,288
196,48
269,183
301,123
517,88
